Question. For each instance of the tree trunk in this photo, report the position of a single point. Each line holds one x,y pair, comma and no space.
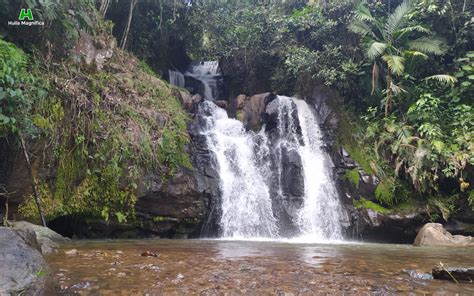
388,101
123,42
5,219
104,5
33,184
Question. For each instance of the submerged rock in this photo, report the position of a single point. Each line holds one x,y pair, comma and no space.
419,275
454,273
22,267
433,234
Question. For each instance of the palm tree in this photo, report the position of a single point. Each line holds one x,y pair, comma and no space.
391,41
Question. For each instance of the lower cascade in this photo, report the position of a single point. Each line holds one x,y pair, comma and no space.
277,183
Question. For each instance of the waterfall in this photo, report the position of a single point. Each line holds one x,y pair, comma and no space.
252,170
176,78
320,216
208,73
246,203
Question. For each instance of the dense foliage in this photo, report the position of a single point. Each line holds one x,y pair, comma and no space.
93,131
403,68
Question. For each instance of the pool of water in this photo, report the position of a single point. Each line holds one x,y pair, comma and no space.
216,267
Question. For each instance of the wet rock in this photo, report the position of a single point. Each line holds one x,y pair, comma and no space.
194,85
254,109
221,103
236,105
292,181
370,225
433,234
458,273
171,208
206,173
22,266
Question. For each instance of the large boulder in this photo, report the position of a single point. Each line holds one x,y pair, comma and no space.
22,267
47,239
250,110
254,109
188,101
433,234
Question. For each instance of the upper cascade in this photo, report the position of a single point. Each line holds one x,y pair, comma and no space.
209,74
176,78
277,183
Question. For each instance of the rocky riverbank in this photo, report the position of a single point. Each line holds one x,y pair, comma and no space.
23,268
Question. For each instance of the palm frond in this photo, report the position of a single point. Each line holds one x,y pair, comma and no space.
375,49
395,63
396,89
397,18
415,53
362,13
443,78
416,28
428,45
359,27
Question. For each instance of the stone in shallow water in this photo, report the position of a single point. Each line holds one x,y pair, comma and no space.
458,273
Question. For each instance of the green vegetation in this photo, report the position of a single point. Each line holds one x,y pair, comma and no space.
367,204
416,132
97,132
404,71
18,87
353,177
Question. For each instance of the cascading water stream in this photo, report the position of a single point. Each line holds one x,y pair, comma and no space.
208,73
176,78
320,215
246,175
246,204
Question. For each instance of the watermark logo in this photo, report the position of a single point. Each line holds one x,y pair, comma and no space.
25,18
25,14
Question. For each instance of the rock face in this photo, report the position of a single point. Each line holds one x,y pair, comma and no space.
174,208
458,273
207,176
22,265
94,51
392,227
433,234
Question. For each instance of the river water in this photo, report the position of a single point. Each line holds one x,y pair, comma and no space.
219,267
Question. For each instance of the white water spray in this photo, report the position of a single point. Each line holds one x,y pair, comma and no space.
247,211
